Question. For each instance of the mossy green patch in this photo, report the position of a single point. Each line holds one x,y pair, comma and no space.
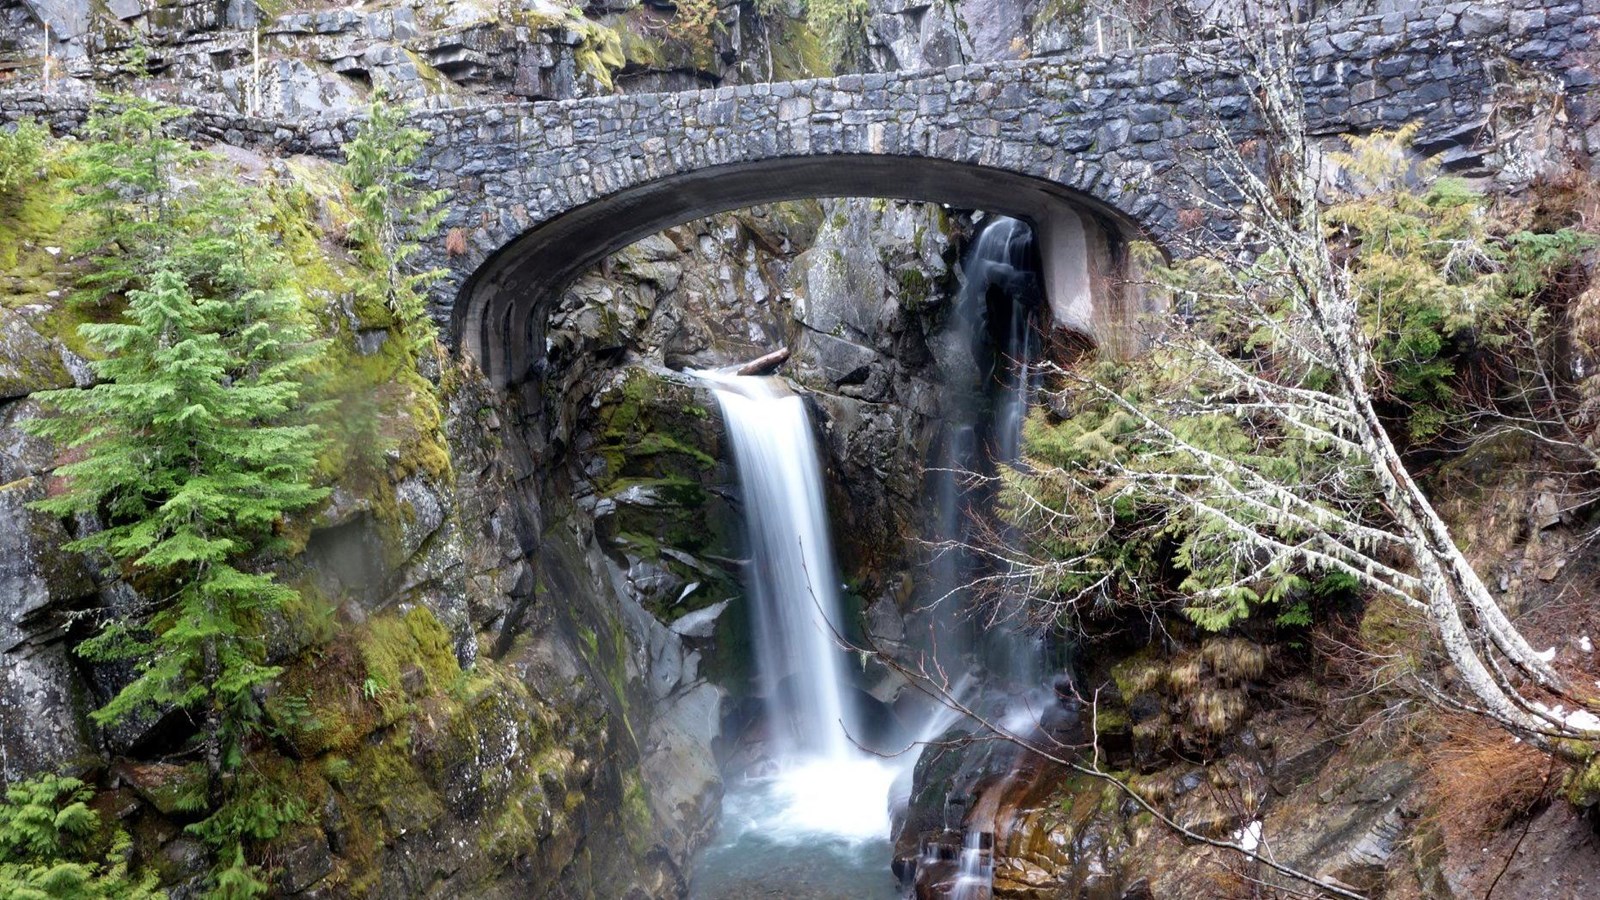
1582,786
797,50
636,817
395,647
383,419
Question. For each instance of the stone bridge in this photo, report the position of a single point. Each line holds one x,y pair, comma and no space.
1093,150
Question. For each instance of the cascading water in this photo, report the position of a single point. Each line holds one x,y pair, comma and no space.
794,599
994,322
818,821
997,301
975,869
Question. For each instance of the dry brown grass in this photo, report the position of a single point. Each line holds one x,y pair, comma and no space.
455,242
1481,779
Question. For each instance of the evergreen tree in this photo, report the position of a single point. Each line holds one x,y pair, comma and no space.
21,159
192,448
126,173
391,213
189,455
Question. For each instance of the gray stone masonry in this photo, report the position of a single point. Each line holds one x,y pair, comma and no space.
538,192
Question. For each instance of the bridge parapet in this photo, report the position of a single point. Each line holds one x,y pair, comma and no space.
1122,139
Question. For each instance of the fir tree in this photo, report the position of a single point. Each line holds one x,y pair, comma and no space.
391,213
127,172
21,159
191,449
189,455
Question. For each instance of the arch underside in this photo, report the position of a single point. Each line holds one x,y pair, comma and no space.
500,313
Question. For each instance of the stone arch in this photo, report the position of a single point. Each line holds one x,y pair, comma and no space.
502,305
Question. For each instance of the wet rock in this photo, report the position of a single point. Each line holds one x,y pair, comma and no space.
37,575
1479,19
169,789
303,861
685,786
292,89
700,624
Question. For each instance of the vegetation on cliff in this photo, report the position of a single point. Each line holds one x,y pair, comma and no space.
54,847
192,446
1265,459
203,442
1124,484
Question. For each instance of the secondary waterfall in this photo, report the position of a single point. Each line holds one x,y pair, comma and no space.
1001,263
995,320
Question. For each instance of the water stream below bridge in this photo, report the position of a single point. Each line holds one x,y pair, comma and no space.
814,821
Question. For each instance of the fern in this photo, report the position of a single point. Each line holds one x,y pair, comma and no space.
51,846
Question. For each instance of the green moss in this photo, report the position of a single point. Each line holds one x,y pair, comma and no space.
915,287
1111,720
636,818
644,51
1132,675
394,647
599,52
656,443
797,51
384,420
318,706
37,219
1582,786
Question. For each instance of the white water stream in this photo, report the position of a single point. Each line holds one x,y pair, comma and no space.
817,823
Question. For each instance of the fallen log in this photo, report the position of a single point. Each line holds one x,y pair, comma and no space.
764,365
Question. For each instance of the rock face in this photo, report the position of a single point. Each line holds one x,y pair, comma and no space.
474,701
549,619
42,710
326,62
855,289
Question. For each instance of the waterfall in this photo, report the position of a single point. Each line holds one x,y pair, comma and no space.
994,318
819,811
822,788
1002,260
792,582
989,374
994,321
974,868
